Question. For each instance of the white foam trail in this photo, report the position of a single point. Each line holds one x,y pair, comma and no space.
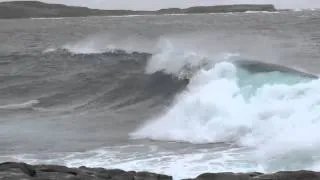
104,42
49,50
297,10
131,16
88,47
48,18
24,105
178,163
262,12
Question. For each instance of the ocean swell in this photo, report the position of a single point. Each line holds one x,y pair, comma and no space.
226,97
270,109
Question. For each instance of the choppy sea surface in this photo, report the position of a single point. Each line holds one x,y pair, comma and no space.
166,94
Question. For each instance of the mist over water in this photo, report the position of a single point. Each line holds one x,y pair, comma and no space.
181,95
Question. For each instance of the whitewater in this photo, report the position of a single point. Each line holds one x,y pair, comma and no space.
180,95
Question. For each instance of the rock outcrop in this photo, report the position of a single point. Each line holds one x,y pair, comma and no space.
36,9
19,171
22,171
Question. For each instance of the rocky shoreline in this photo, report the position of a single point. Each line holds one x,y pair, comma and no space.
22,171
37,9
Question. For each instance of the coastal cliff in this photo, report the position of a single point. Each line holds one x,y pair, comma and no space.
18,171
36,9
219,9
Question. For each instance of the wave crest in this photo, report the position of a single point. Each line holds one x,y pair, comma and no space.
25,105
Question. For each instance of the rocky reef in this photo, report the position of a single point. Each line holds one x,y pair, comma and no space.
22,171
36,9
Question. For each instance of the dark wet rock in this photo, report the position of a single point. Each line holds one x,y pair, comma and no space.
53,176
164,177
22,171
115,172
57,169
227,176
150,176
290,175
125,176
24,168
13,174
103,173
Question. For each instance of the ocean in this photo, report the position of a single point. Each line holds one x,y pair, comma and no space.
174,94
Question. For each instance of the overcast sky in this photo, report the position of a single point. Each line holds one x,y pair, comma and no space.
157,4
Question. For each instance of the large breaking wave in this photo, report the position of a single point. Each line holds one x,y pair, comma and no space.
269,108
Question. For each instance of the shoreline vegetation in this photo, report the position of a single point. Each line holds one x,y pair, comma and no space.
18,171
37,9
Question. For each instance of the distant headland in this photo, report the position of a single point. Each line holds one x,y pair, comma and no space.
37,9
